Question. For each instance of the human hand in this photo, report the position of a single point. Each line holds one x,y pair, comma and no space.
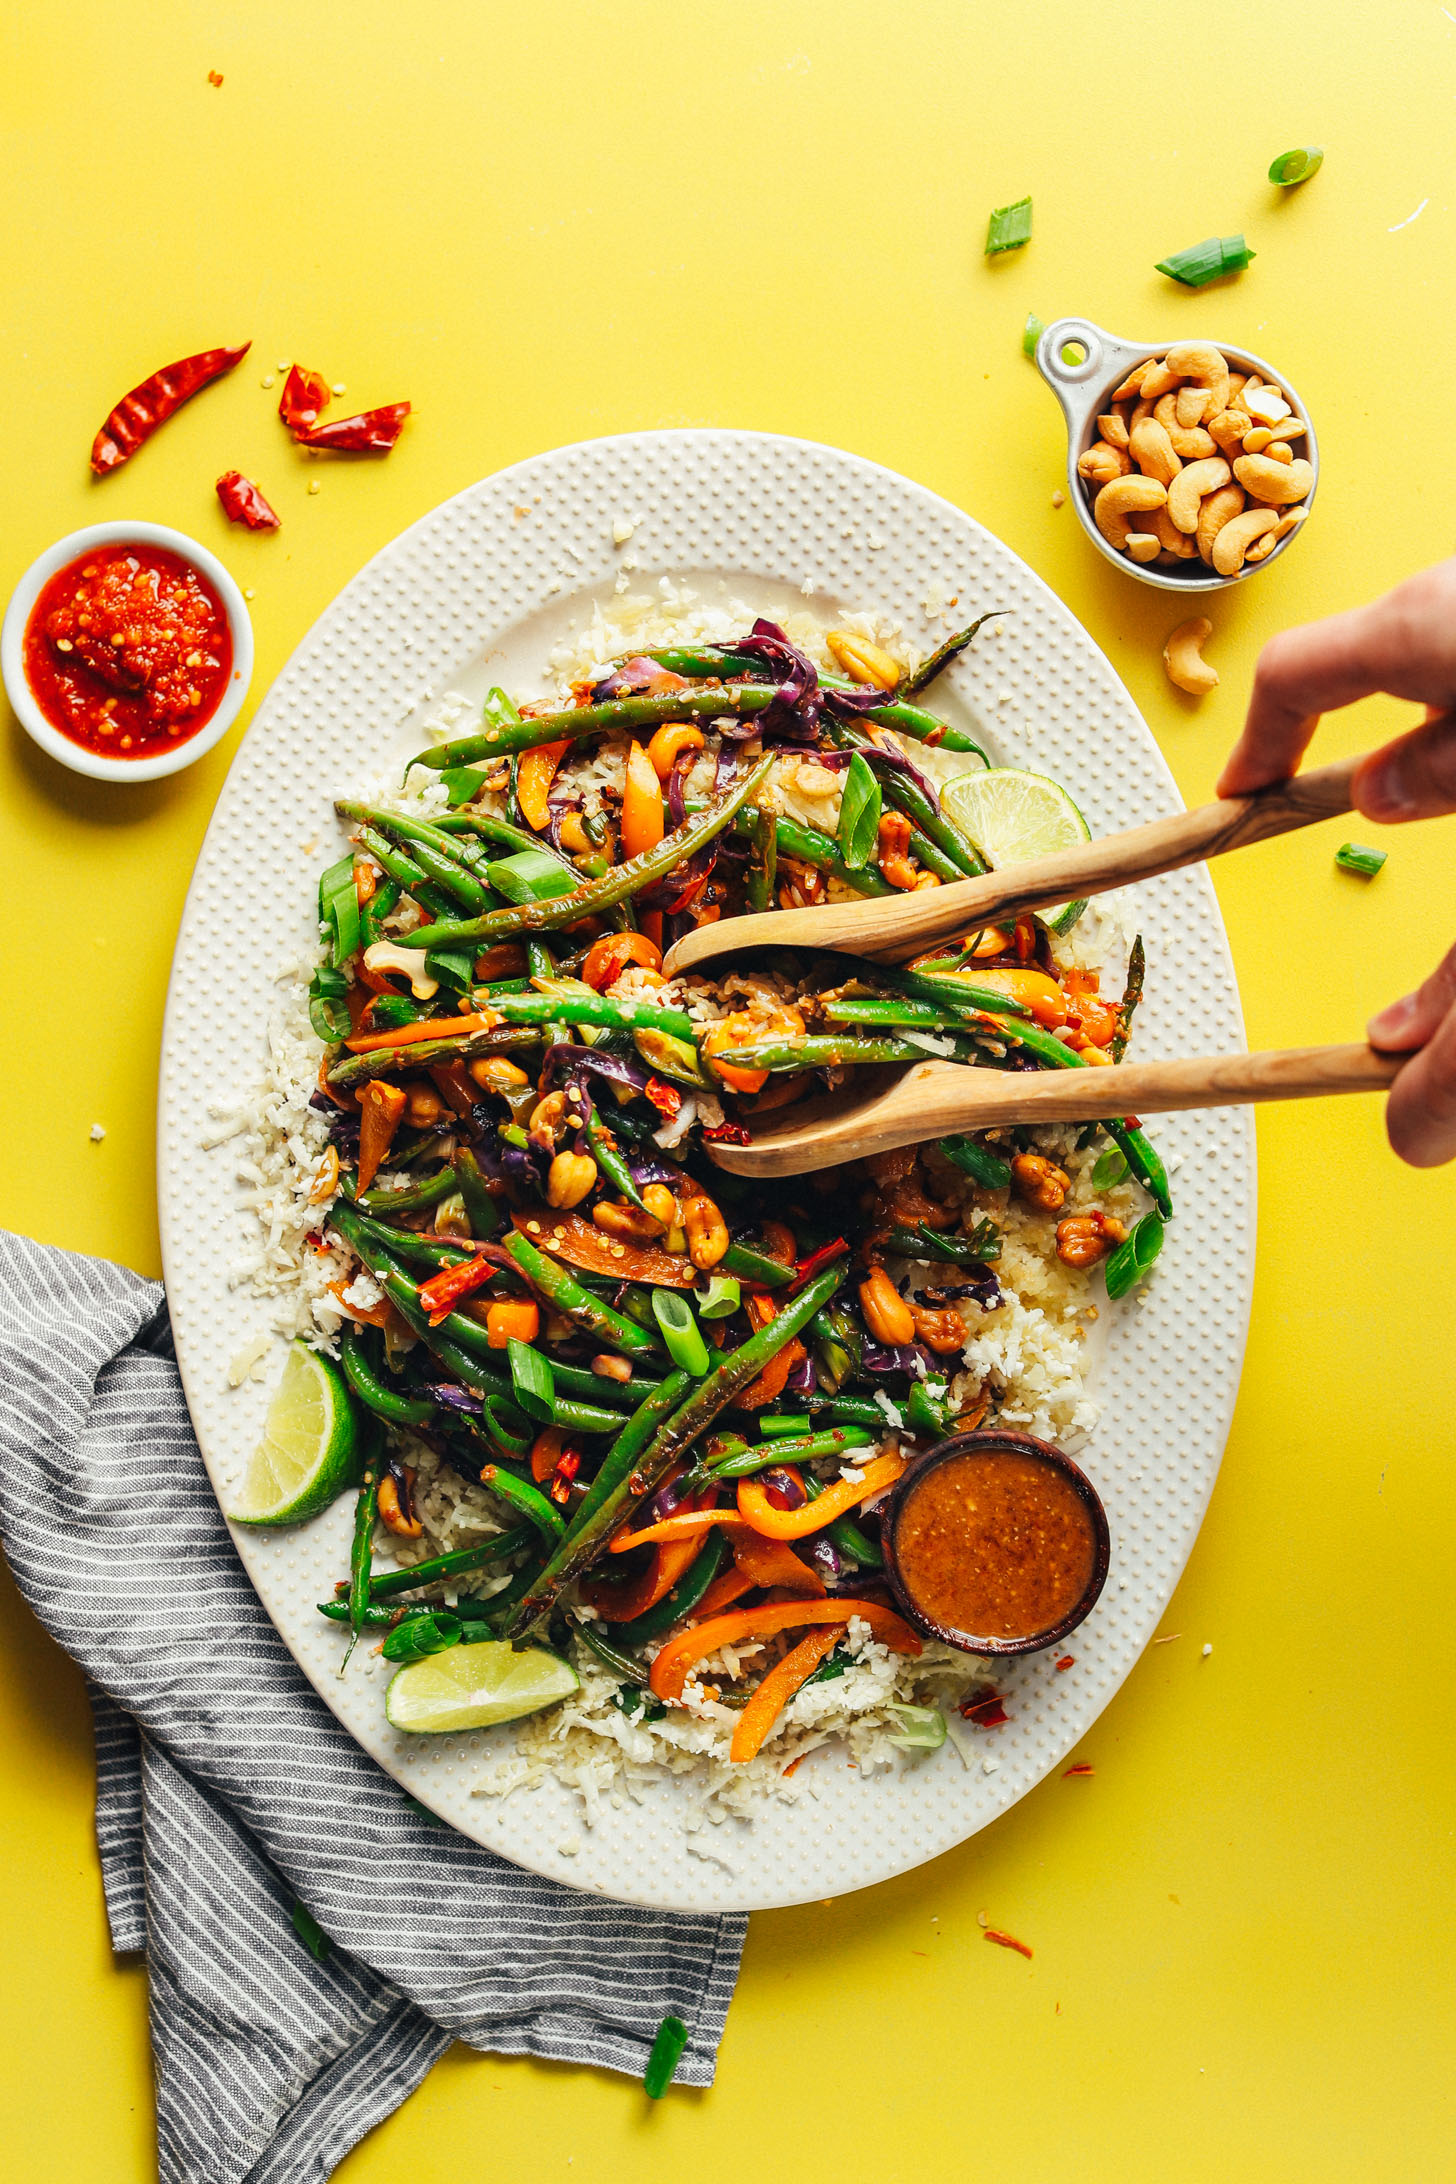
1404,645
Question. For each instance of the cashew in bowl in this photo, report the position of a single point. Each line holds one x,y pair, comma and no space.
1183,660
1216,441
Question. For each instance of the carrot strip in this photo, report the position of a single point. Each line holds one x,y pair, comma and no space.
677,1656
773,1563
776,1690
380,1108
429,1027
683,1524
724,1590
756,1509
534,776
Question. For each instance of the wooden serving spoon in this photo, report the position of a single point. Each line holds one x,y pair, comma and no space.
937,1099
893,928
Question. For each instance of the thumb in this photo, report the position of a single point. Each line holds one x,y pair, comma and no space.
1412,778
1410,1022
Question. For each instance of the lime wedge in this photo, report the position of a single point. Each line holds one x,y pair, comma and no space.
1011,816
308,1453
473,1687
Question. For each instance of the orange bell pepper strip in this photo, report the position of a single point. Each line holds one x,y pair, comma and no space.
643,821
380,1108
776,1690
773,1564
430,1027
1032,988
724,1590
771,1381
624,1603
443,1291
679,1654
546,1453
756,1509
534,776
609,955
682,1524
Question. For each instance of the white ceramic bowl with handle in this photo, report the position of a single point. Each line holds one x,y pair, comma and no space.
1083,388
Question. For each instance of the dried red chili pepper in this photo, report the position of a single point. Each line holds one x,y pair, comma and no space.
727,1133
244,503
817,1260
372,432
304,399
150,403
443,1291
666,1098
986,1713
1007,1941
564,1473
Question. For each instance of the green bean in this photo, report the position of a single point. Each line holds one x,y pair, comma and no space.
384,1401
631,1672
431,850
846,1534
684,1596
609,1159
620,1459
974,1160
578,722
572,1380
1132,993
908,796
764,859
491,829
596,1521
959,995
792,838
463,1047
373,913
414,1199
372,1618
875,1008
628,879
823,1053
1143,1158
436,1252
524,1497
361,1551
585,1007
940,659
755,1266
482,1210
709,663
927,1243
565,1294
800,1449
457,1564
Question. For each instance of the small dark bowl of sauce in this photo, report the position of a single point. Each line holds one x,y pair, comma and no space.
995,1543
127,651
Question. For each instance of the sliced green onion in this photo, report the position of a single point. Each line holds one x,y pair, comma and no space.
339,909
719,1297
1207,261
511,1427
1010,227
859,813
974,1160
454,968
416,1635
310,1933
462,784
1031,334
1354,857
498,709
680,1331
922,1728
1297,166
530,875
782,1422
1131,1261
1110,1169
328,1010
533,1381
667,2048
927,1411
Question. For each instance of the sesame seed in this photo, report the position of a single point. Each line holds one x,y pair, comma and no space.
339,387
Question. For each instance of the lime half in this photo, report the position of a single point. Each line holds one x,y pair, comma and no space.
307,1455
473,1687
1012,816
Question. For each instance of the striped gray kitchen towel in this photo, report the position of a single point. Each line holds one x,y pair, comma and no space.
227,1793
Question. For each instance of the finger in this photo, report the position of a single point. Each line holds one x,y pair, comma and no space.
1404,644
1412,778
1420,1115
1409,1023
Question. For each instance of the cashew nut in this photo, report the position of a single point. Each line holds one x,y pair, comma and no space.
1190,442
1237,383
1256,439
862,661
1122,498
1290,428
1289,521
1170,538
1205,365
1260,550
1152,451
1183,660
1227,429
1137,413
1277,484
1266,405
1159,378
1145,545
1216,511
1192,405
1113,429
1131,386
1238,535
387,955
1189,487
1103,462
1278,451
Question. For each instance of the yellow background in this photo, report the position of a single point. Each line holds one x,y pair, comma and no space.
544,223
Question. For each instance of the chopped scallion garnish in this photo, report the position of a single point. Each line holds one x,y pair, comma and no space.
1131,1261
533,1380
1354,857
1297,166
720,1295
1207,261
1031,334
339,908
1010,227
859,813
530,876
680,1331
1111,1168
922,1728
667,2048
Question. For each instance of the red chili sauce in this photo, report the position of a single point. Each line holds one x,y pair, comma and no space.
995,1544
128,651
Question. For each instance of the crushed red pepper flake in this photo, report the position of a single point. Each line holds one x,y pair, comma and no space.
214,79
1008,1941
1082,1768
1068,1660
987,1712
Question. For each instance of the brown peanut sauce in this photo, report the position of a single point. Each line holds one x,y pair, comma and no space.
995,1544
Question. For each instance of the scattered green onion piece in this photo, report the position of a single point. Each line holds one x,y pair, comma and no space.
1111,1168
508,1425
1296,166
719,1298
749,1265
1010,227
1131,1261
927,1413
782,1422
433,1632
530,875
310,1933
454,968
973,1160
462,784
533,1381
922,1728
667,2048
328,1010
1031,334
1207,261
339,909
859,813
498,709
680,1331
1354,857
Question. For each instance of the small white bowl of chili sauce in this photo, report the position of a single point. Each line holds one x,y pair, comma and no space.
127,651
995,1543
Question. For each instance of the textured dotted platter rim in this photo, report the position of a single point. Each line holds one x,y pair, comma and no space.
478,591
